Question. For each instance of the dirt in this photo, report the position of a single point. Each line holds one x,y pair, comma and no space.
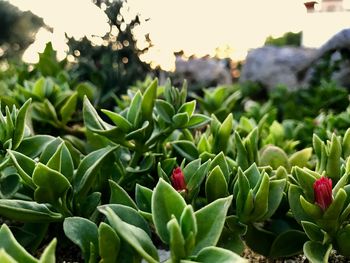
256,258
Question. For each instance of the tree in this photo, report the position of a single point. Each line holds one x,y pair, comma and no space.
288,39
17,30
116,64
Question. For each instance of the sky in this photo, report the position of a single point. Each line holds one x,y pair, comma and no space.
198,27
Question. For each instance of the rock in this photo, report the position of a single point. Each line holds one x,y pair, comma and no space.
203,72
338,41
271,66
164,255
296,66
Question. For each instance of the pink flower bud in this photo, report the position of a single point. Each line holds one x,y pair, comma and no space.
178,179
323,192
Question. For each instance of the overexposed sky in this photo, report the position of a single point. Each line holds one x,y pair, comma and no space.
195,26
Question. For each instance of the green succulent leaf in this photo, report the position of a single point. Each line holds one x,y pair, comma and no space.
223,136
55,161
9,185
203,144
6,258
120,196
148,100
82,232
215,254
165,110
180,119
119,120
251,144
298,212
34,145
9,244
262,198
25,167
166,202
195,178
44,178
336,207
210,222
275,157
92,121
220,160
216,185
68,108
129,215
188,107
346,144
196,121
313,231
191,168
108,243
316,252
48,256
143,198
300,158
177,241
86,89
20,124
333,160
89,204
306,181
311,209
295,240
50,149
242,153
241,190
342,241
87,171
134,110
253,175
134,236
138,133
186,149
276,193
188,222
27,211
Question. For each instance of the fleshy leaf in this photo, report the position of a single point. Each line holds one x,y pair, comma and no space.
210,221
88,169
27,211
12,247
81,232
316,252
135,236
166,202
215,254
216,185
109,243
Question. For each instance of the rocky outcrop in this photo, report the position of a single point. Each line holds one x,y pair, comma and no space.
295,67
271,66
203,72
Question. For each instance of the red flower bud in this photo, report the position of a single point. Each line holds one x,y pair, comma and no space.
178,179
323,192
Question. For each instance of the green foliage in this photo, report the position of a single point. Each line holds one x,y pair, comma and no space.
288,39
116,65
12,251
17,30
106,176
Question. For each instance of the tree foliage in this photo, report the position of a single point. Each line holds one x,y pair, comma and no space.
288,39
17,30
116,64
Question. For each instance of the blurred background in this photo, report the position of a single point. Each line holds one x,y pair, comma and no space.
129,39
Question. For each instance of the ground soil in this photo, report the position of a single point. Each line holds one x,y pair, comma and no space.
256,258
